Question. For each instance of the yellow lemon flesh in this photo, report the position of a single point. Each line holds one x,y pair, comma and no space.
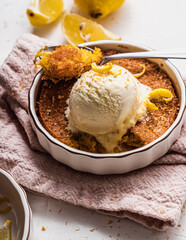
78,29
6,231
42,12
98,8
159,94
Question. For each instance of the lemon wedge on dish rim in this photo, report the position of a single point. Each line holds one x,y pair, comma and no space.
42,12
6,231
78,29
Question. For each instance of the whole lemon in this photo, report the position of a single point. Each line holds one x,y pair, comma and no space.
98,8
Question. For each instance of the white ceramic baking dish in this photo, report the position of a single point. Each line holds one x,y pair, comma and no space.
111,163
20,213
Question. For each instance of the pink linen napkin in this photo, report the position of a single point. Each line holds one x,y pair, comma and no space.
152,196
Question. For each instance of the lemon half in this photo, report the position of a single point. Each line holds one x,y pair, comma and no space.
78,29
98,8
42,12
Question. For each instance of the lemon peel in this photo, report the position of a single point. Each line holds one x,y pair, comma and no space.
40,54
78,29
159,94
6,230
151,106
107,68
137,75
102,69
42,12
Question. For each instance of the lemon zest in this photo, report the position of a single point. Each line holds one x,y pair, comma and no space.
40,54
102,69
159,94
115,72
137,75
151,106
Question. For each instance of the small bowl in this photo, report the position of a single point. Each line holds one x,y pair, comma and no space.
118,162
20,213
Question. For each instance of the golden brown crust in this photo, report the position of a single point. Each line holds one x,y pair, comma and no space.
53,98
67,62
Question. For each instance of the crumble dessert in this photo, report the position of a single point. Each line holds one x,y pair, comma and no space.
66,62
153,90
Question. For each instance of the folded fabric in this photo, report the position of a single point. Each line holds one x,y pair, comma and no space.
152,196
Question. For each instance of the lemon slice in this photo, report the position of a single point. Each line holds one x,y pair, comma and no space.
78,29
159,94
6,231
42,12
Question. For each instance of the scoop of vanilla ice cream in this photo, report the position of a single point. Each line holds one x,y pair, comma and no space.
106,104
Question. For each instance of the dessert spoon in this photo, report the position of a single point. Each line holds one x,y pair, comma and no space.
163,54
173,54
